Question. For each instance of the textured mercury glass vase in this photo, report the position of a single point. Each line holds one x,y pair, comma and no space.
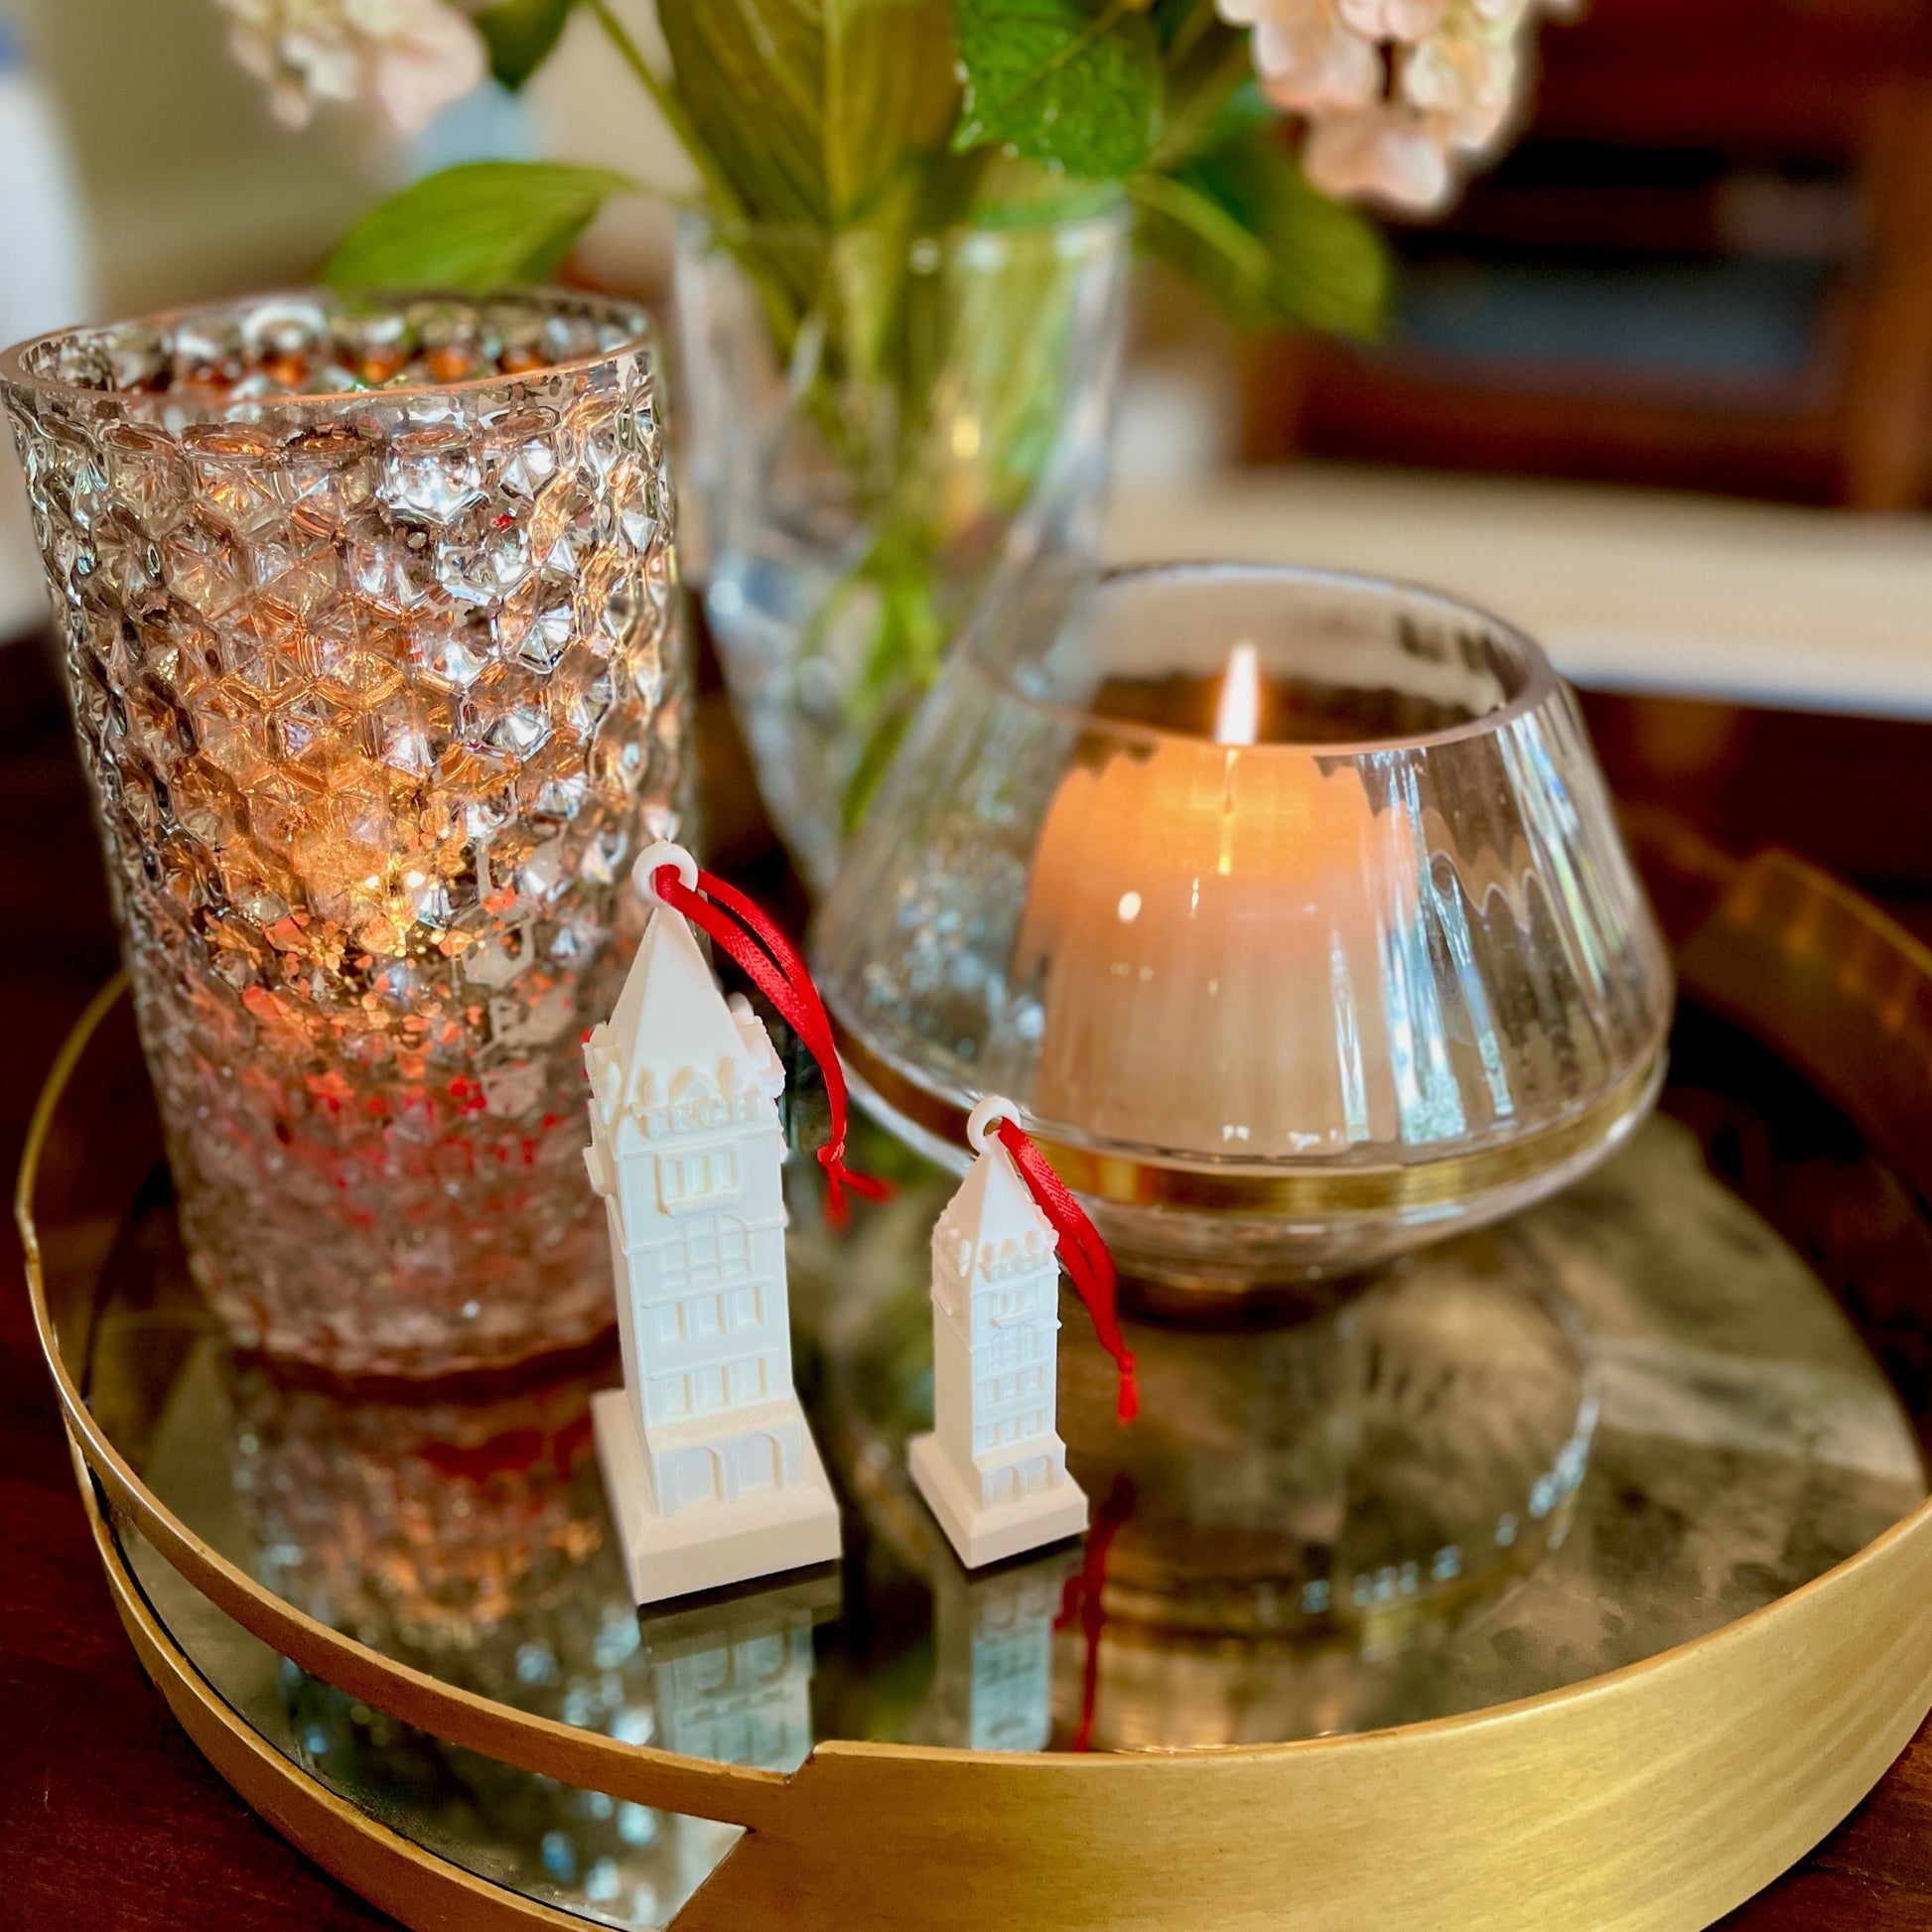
368,622
874,441
1290,906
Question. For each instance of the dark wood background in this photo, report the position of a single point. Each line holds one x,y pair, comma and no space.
109,1818
1699,145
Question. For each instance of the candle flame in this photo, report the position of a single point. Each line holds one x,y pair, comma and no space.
1237,717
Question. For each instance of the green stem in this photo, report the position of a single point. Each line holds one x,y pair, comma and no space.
726,205
1197,90
724,197
1198,19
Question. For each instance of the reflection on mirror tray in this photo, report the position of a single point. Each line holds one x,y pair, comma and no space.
1509,1462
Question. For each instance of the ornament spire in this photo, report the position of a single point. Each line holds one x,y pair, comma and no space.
669,875
1083,1254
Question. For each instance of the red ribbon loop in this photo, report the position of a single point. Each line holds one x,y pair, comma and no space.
1083,1254
773,964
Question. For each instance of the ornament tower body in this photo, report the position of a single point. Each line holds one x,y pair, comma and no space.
993,1467
709,1466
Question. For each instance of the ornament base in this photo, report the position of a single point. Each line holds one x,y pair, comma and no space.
986,1533
709,1545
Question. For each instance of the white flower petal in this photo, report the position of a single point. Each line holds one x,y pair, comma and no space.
1378,156
330,69
412,56
254,53
1313,72
432,60
1392,20
290,102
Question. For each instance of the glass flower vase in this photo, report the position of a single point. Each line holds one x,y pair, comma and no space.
878,433
368,620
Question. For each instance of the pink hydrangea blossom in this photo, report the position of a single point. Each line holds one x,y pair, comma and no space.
412,58
1402,96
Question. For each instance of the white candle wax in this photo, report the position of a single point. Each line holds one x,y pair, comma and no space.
1210,919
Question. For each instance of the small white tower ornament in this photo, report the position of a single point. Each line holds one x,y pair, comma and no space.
994,1468
709,1468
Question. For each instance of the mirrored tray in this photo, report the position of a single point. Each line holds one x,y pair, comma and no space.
1574,1561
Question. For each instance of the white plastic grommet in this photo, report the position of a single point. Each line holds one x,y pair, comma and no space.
653,861
983,1123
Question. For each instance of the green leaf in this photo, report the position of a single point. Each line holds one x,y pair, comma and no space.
749,73
811,107
892,89
521,34
1073,89
1243,222
476,226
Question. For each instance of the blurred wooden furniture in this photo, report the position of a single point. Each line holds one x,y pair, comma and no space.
1752,603
1775,153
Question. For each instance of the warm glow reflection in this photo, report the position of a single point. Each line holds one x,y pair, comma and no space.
1237,717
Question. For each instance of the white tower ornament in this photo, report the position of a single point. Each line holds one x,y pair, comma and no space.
709,1468
994,1469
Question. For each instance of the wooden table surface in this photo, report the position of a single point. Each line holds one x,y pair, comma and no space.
109,1818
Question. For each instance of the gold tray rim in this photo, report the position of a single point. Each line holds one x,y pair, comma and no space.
1660,1795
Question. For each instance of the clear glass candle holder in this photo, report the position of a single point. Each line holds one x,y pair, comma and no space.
1291,906
368,617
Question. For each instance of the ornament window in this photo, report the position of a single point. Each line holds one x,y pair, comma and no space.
715,1250
1014,1346
689,1180
1015,1303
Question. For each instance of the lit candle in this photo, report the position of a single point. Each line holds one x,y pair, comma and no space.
1210,921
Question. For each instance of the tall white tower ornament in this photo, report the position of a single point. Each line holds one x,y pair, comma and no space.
994,1468
709,1468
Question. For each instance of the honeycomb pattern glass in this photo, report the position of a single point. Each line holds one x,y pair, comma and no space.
368,617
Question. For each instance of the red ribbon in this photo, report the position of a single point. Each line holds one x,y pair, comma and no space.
1083,1254
1081,1601
772,963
